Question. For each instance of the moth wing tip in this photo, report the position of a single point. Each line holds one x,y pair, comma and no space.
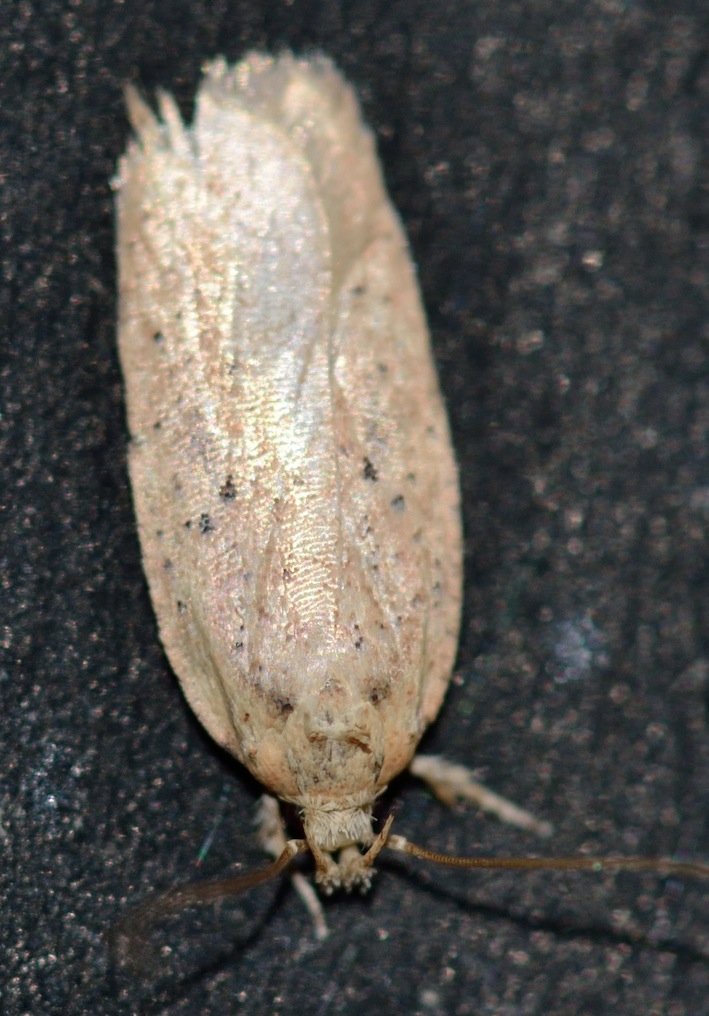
140,115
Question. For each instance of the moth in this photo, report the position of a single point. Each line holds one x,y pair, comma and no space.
291,463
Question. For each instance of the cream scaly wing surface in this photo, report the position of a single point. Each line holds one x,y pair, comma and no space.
291,465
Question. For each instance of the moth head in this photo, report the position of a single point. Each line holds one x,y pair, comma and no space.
335,839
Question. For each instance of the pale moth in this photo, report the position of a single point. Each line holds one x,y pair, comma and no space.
291,463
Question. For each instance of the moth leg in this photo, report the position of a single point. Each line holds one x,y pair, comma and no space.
272,838
451,783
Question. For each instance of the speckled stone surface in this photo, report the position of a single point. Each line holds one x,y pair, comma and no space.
549,161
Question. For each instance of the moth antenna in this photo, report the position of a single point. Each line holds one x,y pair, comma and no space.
381,841
659,865
129,939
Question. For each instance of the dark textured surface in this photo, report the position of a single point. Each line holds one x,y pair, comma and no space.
548,160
